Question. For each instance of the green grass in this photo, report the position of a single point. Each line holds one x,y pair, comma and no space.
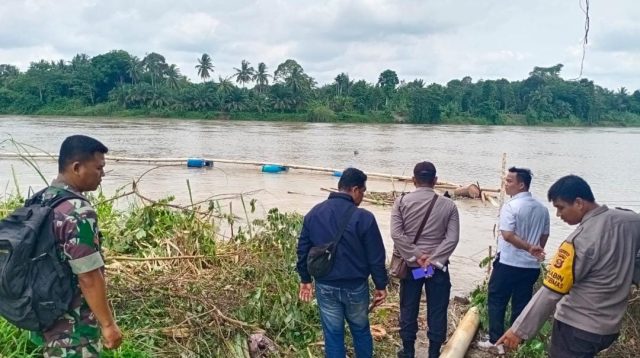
15,343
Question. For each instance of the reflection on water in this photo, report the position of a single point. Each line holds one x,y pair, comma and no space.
606,158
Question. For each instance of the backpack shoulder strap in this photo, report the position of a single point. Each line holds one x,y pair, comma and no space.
64,195
35,198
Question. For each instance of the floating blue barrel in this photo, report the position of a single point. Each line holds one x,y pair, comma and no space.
337,173
273,168
198,163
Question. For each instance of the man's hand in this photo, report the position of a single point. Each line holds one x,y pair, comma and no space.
111,336
306,292
423,261
537,252
378,298
510,340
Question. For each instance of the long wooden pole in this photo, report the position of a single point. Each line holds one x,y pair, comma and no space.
181,161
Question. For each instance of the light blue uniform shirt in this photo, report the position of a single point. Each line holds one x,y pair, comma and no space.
528,218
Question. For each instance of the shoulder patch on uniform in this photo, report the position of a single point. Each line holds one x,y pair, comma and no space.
559,277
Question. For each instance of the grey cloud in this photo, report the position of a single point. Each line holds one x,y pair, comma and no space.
362,23
430,39
619,40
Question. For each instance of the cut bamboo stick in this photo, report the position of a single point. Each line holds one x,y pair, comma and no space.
458,344
490,199
366,200
158,258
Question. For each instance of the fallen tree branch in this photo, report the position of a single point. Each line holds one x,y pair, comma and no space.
157,258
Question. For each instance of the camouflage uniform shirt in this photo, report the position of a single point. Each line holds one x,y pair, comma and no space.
76,333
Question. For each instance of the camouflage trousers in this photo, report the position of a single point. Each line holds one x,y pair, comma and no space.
90,350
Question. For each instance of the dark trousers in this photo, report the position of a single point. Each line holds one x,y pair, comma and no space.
437,289
570,342
508,283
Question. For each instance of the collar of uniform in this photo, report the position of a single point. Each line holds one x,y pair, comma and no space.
593,213
340,195
522,194
59,183
424,188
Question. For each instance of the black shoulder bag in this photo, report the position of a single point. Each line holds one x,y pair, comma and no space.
321,258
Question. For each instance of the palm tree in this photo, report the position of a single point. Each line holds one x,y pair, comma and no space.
134,69
204,66
173,77
296,81
79,60
342,84
61,65
261,77
244,74
155,64
236,100
224,87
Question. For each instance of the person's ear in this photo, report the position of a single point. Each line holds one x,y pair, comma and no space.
75,167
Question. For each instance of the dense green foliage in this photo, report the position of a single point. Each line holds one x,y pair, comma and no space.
252,280
119,84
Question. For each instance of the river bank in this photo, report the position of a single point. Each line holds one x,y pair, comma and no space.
177,291
110,111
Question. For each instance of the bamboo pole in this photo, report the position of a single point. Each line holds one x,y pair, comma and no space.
182,161
366,200
458,344
490,199
157,258
502,183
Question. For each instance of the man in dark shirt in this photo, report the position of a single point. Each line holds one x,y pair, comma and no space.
343,293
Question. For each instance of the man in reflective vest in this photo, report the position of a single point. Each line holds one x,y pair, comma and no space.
588,281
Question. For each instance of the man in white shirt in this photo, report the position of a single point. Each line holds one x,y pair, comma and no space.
524,230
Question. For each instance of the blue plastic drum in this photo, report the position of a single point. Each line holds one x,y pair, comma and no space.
272,168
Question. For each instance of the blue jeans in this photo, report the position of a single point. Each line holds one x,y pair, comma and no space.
337,304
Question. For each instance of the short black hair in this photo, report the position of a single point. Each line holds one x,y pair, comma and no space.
352,177
425,172
78,148
569,188
524,175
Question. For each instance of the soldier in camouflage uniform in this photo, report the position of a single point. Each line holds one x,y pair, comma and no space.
77,333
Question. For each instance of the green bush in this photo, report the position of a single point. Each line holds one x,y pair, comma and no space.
321,113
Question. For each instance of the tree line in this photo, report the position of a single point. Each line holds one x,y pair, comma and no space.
118,82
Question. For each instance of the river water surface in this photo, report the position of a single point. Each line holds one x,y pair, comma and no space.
608,158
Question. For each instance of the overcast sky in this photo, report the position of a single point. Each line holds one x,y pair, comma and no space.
434,40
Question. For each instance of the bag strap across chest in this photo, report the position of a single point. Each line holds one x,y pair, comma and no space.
426,217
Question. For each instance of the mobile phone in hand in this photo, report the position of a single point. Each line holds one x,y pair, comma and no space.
420,272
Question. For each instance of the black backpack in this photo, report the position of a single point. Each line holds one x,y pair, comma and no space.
36,287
